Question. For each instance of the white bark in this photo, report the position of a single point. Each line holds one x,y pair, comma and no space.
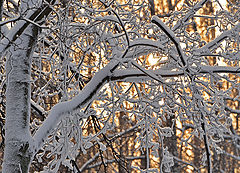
18,141
20,146
20,41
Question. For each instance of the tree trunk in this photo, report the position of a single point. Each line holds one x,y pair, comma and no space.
18,142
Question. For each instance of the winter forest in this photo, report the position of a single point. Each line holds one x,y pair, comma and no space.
120,86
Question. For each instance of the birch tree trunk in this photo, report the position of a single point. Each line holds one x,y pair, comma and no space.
18,142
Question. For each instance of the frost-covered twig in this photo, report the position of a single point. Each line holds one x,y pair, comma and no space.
150,74
89,162
113,160
192,11
134,128
232,110
207,146
120,21
38,108
33,22
9,20
218,40
186,163
231,155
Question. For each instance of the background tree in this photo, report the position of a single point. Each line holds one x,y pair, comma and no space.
103,86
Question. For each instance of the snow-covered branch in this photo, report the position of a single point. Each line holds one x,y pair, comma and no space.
138,75
188,16
172,37
219,39
81,100
120,85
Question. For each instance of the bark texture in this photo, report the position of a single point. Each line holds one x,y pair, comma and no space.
18,144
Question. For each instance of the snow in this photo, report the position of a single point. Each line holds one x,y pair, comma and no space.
219,39
18,138
172,37
146,42
20,25
108,18
129,72
81,100
143,74
166,30
185,19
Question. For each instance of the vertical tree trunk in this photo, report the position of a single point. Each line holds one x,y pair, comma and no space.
171,142
144,160
18,142
1,10
123,148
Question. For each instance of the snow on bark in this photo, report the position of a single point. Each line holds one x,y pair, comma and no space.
18,142
21,147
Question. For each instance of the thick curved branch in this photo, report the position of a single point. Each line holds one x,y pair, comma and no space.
61,109
172,37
